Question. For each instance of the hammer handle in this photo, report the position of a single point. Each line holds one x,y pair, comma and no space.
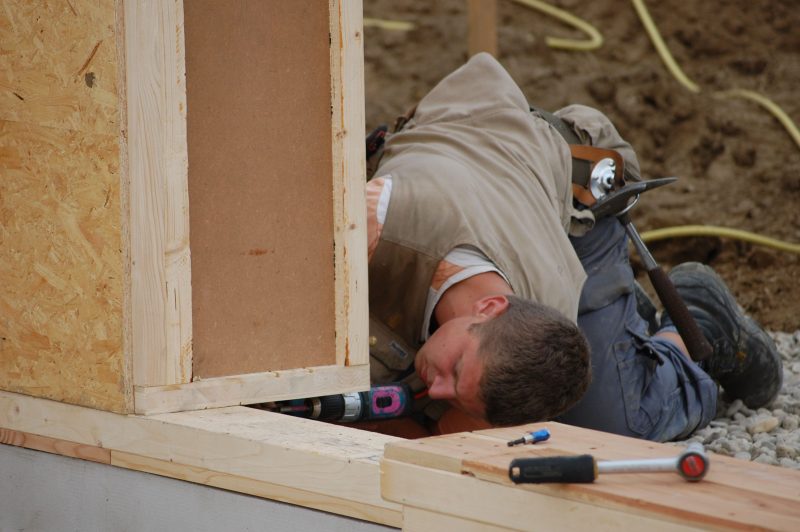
697,345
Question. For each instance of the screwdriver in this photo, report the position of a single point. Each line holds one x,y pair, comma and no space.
531,437
692,464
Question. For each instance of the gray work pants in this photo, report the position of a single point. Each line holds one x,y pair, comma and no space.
641,386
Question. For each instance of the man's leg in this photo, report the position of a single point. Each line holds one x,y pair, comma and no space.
641,386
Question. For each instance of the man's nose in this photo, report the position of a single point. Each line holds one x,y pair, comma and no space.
441,388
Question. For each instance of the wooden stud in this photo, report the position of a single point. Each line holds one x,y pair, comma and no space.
250,389
160,273
349,181
482,21
54,446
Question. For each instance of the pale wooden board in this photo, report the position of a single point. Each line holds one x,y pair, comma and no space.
252,388
349,178
156,220
267,490
734,494
51,445
481,502
62,269
299,454
418,520
260,185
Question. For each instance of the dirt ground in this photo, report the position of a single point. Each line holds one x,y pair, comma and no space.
737,166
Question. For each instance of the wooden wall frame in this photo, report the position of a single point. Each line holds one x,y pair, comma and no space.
136,268
161,319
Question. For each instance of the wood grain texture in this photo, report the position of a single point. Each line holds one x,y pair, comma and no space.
260,187
62,269
250,389
349,179
160,295
282,451
734,494
267,490
418,520
487,503
54,446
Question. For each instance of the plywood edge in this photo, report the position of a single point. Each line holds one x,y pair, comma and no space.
266,490
251,388
158,194
125,209
260,450
471,499
349,179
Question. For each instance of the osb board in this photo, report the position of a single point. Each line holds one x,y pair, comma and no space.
61,268
260,185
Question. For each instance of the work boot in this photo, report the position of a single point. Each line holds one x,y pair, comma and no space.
745,361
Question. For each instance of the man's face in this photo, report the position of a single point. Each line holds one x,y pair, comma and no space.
449,365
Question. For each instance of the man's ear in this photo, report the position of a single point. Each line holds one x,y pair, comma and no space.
490,306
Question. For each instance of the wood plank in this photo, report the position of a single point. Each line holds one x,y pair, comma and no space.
267,490
62,268
319,458
160,298
483,502
250,389
54,446
734,494
759,478
418,520
482,22
349,178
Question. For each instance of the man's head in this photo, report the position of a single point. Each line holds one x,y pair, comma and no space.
511,362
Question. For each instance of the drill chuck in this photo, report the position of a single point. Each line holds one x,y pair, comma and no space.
380,402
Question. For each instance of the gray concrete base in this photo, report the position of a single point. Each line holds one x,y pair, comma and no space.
45,492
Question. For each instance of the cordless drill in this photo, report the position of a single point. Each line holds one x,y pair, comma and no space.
380,402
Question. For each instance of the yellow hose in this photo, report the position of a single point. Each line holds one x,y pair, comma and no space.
769,105
682,231
676,71
595,39
661,47
390,25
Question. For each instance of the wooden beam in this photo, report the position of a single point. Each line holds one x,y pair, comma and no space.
482,22
734,494
257,488
349,180
250,389
159,297
419,520
486,503
54,446
330,467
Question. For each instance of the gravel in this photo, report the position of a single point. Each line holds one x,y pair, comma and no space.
767,435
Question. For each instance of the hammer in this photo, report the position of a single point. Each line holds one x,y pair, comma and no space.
692,464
